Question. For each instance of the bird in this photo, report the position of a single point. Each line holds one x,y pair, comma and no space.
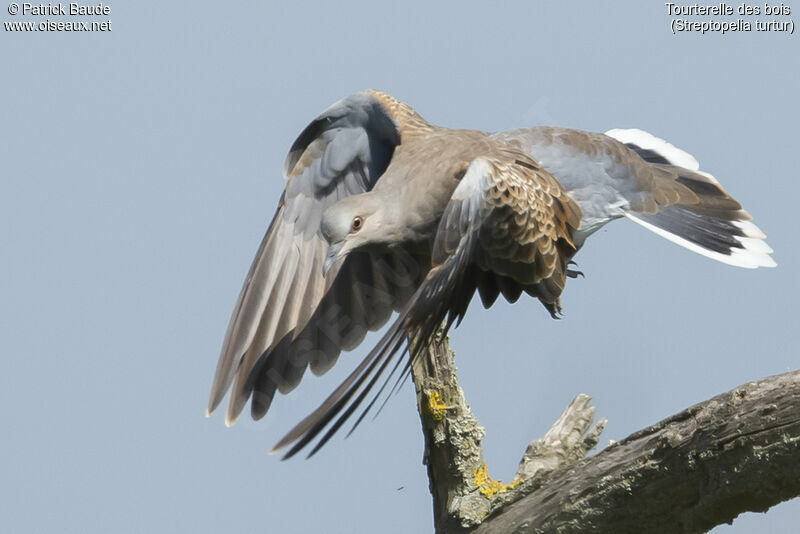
384,213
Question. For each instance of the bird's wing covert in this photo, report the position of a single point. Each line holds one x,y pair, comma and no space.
508,219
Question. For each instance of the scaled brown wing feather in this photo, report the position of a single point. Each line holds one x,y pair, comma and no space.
513,221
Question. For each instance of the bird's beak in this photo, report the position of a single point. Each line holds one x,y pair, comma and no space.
334,254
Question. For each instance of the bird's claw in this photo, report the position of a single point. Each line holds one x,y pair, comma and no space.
574,273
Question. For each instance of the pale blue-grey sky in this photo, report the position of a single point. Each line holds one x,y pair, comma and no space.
141,166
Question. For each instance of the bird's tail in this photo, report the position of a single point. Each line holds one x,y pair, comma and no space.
704,219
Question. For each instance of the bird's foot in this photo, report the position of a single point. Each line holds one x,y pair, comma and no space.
573,273
555,308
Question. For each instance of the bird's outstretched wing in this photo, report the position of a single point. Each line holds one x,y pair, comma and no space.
631,173
288,315
508,219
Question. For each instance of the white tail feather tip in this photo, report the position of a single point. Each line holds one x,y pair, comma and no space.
750,229
754,254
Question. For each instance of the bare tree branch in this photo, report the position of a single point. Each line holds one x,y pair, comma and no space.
737,452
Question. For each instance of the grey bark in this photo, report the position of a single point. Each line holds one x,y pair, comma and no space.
737,452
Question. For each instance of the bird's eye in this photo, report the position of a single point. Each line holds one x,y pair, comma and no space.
358,222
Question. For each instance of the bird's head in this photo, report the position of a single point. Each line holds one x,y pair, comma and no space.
351,224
